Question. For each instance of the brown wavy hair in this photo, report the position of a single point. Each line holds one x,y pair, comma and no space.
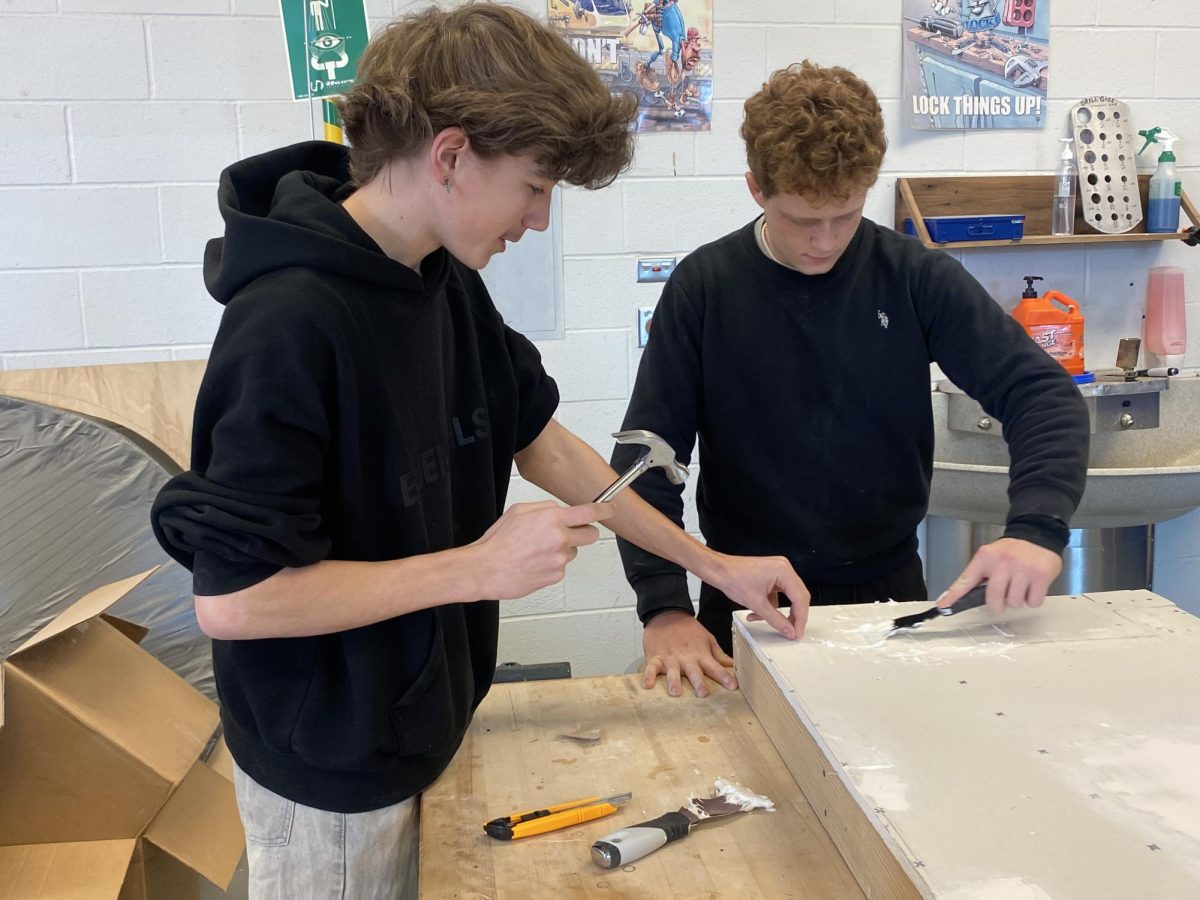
814,131
508,81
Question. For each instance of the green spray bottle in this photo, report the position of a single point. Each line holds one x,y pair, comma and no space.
1165,186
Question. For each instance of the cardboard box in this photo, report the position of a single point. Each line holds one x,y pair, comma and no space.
104,787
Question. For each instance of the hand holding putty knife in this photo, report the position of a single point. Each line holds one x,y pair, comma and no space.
973,599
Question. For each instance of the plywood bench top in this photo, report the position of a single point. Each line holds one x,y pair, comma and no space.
663,749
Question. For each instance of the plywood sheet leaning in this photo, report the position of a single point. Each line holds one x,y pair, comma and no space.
1051,753
153,401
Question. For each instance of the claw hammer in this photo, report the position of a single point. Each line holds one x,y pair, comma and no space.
658,453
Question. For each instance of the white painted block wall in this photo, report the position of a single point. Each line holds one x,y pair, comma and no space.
116,117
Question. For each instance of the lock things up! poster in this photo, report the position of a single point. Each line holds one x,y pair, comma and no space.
976,64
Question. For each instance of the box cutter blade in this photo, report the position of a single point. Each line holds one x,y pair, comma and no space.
564,815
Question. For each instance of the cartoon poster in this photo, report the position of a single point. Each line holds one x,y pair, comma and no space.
658,50
976,64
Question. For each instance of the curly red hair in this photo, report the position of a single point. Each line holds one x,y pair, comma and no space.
814,131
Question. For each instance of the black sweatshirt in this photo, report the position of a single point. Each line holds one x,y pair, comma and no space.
352,409
810,396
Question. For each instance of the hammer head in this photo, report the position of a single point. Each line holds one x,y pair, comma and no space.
658,453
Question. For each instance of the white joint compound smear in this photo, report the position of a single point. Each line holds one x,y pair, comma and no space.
873,636
747,800
1157,777
868,636
883,788
874,633
954,642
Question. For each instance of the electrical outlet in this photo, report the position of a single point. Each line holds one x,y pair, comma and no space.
658,268
645,314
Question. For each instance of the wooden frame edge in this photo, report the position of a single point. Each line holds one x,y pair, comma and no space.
875,859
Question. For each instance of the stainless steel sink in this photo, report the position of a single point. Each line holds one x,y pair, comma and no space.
1142,469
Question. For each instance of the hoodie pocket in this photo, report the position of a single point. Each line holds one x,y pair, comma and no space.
427,719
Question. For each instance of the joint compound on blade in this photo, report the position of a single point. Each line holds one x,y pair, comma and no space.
747,800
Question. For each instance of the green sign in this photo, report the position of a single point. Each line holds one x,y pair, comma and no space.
324,40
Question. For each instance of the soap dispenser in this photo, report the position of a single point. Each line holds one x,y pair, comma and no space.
1166,315
1057,331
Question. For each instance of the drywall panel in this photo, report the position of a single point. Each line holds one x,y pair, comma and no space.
1051,753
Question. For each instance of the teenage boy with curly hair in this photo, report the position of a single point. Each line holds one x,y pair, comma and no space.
797,350
355,431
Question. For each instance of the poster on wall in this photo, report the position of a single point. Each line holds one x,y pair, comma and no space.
324,40
976,64
660,51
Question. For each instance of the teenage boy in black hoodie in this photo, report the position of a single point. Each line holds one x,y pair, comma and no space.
355,431
797,349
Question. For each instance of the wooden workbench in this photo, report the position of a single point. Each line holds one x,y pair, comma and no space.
662,749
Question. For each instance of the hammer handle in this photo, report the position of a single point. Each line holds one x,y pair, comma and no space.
621,483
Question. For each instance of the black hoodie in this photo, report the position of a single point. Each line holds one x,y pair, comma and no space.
809,395
352,409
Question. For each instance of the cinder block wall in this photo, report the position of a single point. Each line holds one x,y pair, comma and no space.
117,115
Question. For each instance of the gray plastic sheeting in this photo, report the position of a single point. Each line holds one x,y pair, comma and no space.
75,498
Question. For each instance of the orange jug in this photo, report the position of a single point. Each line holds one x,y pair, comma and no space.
1057,331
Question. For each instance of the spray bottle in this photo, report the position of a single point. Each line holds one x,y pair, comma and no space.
1063,211
1057,332
1165,186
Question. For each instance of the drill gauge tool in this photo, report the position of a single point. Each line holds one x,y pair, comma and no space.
1108,180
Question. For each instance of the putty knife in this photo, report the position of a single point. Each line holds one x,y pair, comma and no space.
623,847
974,598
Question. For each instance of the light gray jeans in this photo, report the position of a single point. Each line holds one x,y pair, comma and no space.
296,852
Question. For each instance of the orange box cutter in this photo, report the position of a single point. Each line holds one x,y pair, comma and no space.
552,818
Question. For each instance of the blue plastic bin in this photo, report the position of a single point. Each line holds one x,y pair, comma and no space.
951,229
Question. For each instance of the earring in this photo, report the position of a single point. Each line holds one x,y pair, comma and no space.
446,185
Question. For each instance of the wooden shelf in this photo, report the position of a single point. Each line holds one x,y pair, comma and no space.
1028,195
